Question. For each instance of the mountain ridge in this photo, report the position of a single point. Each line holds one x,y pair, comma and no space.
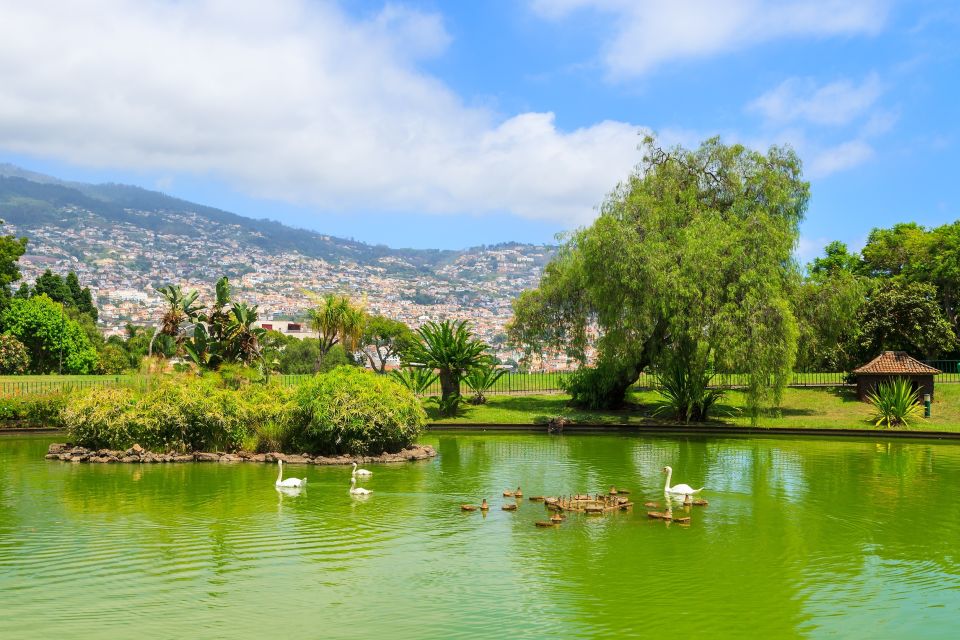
112,200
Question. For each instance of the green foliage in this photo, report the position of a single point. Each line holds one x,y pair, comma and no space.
387,338
448,407
103,418
349,410
183,413
337,320
299,356
837,260
113,359
692,254
449,348
54,342
415,379
181,307
267,414
600,387
53,286
14,359
481,379
828,308
11,249
903,316
42,410
894,402
224,335
685,391
336,357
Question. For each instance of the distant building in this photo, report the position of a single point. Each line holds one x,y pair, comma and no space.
288,328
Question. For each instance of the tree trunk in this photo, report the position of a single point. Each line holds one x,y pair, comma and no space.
449,384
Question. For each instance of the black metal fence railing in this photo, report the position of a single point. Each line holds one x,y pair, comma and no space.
530,383
649,380
949,369
534,382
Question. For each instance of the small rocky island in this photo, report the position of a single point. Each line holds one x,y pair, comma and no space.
67,452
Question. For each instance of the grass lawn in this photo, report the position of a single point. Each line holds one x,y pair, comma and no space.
817,407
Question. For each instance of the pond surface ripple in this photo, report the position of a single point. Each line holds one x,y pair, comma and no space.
802,538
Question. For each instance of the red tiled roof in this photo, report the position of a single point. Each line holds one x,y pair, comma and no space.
896,362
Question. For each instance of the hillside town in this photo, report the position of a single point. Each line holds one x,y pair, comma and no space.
123,263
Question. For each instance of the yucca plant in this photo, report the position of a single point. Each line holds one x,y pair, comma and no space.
685,391
893,402
416,379
480,379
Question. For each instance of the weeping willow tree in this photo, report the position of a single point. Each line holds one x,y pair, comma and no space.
688,264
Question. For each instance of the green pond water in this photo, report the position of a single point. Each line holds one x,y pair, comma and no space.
802,538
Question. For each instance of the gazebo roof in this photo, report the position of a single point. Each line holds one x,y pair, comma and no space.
893,362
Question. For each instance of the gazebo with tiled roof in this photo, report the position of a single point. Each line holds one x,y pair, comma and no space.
890,365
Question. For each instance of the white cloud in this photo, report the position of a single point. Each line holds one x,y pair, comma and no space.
802,99
290,99
839,158
653,32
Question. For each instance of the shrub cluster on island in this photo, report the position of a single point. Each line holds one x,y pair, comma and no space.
345,412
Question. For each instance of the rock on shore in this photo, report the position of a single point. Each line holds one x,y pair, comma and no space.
66,452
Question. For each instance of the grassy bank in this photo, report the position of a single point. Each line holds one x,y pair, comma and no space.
820,407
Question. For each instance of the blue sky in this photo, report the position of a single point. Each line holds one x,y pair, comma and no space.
448,124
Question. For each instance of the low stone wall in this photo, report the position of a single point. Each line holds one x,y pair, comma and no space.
66,452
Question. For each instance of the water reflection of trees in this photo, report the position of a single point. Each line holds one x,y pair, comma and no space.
783,514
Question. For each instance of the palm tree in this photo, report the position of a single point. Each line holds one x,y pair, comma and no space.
449,348
243,337
181,307
337,320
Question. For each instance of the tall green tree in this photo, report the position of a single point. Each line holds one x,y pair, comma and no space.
54,342
54,287
905,316
827,306
384,338
691,257
82,298
11,249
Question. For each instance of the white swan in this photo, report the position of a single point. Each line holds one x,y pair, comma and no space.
289,482
358,491
681,489
360,472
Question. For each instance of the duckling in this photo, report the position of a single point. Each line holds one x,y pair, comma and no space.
483,505
544,523
681,520
556,518
652,505
509,507
613,491
536,498
699,503
508,494
468,507
518,493
623,491
658,515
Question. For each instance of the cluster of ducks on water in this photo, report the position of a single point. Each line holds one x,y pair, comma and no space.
596,504
299,483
